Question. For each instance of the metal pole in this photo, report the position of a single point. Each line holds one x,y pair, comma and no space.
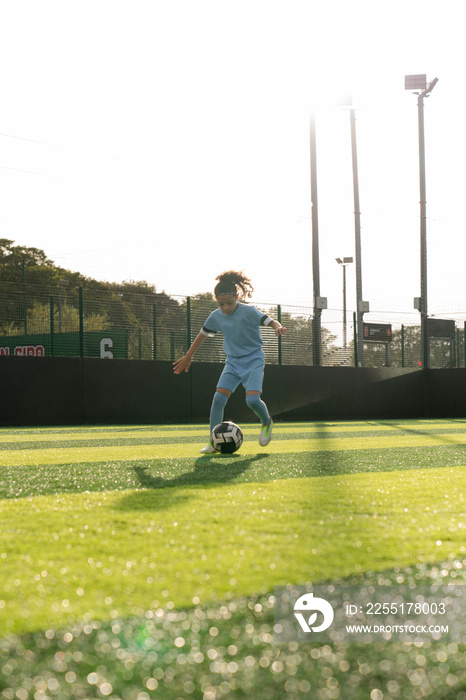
344,309
402,345
357,233
422,187
172,346
464,342
24,299
81,323
418,82
59,306
188,345
188,323
279,319
154,331
61,284
317,320
52,327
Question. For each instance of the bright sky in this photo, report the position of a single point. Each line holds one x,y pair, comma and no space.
169,140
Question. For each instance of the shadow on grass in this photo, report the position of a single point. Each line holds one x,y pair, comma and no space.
209,471
440,434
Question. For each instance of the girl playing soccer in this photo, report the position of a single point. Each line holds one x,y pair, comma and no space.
240,325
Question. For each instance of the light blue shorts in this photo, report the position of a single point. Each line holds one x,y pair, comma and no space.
247,370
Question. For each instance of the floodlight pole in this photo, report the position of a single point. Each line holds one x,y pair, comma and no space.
344,262
318,305
423,228
344,309
422,187
357,235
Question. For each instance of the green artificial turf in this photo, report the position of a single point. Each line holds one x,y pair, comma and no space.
71,555
118,528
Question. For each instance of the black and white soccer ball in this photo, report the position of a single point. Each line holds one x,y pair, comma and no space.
226,437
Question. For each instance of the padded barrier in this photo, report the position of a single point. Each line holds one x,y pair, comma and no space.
74,391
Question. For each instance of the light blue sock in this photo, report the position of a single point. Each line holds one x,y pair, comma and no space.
216,410
256,404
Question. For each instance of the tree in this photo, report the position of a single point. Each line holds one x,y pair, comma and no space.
28,280
38,320
13,257
27,275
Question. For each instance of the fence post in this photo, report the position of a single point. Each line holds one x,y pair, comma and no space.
24,299
188,340
172,346
355,340
402,345
279,319
154,331
81,323
188,322
52,328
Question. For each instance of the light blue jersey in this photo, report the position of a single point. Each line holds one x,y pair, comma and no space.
241,329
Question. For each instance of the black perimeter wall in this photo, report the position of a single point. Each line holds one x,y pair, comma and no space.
73,391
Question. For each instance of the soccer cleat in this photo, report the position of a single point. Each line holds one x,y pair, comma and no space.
208,449
266,434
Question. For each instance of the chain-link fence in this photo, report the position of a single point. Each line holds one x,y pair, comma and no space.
94,321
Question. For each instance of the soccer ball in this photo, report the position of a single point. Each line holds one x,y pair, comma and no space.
226,437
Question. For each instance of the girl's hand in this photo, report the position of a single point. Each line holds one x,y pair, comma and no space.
182,365
278,328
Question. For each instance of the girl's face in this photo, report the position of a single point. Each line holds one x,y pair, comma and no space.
227,303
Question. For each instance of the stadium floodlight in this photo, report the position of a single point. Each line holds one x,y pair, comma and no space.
419,82
415,82
343,263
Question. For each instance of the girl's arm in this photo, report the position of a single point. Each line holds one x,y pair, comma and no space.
184,363
278,328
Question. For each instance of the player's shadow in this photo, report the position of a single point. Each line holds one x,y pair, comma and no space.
209,470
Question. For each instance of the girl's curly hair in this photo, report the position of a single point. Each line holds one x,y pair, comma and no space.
233,282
